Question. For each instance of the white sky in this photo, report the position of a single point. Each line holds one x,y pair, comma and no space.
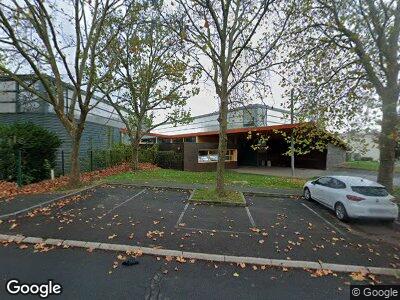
207,100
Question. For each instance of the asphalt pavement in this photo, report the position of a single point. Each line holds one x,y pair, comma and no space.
100,275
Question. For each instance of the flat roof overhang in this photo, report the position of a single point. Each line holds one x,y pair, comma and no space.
229,131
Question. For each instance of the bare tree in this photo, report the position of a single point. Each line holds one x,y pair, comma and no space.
347,55
58,43
233,42
151,75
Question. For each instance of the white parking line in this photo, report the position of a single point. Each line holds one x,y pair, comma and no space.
250,217
322,218
119,205
48,202
182,214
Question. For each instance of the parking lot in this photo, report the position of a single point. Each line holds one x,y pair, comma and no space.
269,227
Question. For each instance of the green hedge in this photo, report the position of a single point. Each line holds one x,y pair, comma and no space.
169,160
38,148
119,153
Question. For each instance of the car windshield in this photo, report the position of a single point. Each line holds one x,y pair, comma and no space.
370,190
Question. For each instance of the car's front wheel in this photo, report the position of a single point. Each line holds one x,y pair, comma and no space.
307,194
341,212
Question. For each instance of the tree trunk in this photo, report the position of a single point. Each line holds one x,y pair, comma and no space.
388,140
135,154
222,144
74,177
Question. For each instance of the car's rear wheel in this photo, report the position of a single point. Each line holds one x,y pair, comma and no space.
341,212
307,194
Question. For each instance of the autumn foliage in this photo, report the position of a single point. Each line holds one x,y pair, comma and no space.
10,189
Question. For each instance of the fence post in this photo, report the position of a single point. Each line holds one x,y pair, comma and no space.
62,162
91,160
19,169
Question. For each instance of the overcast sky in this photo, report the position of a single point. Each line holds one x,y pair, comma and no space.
207,101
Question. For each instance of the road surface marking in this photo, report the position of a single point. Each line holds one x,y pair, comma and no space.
182,214
322,218
119,205
47,202
250,217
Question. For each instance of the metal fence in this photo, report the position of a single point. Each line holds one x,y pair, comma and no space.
91,160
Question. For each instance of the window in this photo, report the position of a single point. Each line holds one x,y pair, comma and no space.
337,184
323,181
211,155
376,191
331,183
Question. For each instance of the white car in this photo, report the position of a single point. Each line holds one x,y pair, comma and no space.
352,197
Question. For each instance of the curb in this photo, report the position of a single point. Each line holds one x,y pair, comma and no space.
48,202
218,203
205,256
149,186
258,193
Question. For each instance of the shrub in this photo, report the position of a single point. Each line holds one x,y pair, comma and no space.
169,160
118,154
38,148
148,154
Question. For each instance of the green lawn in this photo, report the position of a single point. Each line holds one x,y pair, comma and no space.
232,178
210,195
365,165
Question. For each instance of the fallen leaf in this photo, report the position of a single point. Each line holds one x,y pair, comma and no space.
236,274
320,273
180,259
358,276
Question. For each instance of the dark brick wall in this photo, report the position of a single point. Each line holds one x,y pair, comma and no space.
95,136
190,158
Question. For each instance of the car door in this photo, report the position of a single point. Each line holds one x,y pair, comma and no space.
334,191
320,189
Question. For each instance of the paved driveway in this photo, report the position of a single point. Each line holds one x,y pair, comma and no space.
279,228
